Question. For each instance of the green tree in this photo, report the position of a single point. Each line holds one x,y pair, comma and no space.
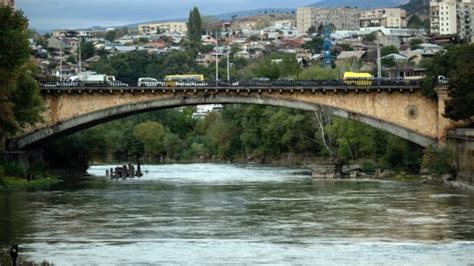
152,136
456,64
461,86
388,61
194,25
87,49
19,94
390,49
415,43
311,30
111,35
414,22
315,45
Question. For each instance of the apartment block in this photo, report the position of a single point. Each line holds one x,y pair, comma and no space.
452,17
342,18
8,3
385,17
167,27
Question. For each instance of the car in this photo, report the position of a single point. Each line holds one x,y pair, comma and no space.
442,80
118,83
260,79
149,82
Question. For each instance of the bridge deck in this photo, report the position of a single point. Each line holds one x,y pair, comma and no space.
191,89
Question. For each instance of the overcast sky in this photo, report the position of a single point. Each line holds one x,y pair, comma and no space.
53,14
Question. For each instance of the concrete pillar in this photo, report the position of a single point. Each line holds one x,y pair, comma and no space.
461,141
443,123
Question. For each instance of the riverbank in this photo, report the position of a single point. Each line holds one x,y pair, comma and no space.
43,183
5,259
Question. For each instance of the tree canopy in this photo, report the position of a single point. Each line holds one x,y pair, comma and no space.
457,63
194,25
20,104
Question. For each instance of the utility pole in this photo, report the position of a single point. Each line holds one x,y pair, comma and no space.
80,62
379,62
228,63
217,58
60,56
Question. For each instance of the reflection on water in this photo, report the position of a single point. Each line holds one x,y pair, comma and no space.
206,213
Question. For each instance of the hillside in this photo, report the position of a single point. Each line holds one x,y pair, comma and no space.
418,7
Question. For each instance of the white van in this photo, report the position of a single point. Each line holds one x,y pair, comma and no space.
149,82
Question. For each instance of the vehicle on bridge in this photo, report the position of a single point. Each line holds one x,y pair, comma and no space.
358,79
442,80
149,82
193,80
88,79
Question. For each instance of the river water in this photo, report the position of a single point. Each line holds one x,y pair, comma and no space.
239,214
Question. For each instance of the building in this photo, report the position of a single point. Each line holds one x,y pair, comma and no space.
10,3
385,17
277,32
346,18
452,17
203,110
166,27
284,23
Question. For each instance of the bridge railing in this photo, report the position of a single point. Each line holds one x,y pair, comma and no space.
236,83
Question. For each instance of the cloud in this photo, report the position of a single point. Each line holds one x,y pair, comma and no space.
51,14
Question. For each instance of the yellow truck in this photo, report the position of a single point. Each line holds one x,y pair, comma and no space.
358,79
184,80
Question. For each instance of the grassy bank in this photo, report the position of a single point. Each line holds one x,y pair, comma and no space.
20,183
5,259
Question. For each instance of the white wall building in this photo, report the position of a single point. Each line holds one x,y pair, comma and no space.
385,17
203,110
346,18
452,17
165,27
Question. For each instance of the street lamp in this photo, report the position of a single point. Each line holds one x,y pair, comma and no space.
61,34
217,57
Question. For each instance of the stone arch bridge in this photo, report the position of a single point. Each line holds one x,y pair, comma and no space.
399,109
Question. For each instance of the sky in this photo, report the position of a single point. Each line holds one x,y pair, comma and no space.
72,14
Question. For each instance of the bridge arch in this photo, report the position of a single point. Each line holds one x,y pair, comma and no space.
96,117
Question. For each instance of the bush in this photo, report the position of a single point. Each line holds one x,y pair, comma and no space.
368,167
438,161
13,169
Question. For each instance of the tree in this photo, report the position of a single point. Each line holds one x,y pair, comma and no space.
415,43
388,61
386,50
414,22
194,25
19,94
87,50
461,86
315,45
457,63
111,35
311,30
151,135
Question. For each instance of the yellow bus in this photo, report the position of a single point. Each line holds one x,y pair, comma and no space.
358,79
183,80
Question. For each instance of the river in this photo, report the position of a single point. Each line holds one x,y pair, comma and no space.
199,214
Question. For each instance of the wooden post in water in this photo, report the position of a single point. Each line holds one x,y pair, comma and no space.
139,170
131,168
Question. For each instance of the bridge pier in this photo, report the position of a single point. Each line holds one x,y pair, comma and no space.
461,141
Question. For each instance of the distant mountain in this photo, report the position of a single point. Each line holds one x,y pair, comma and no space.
255,12
226,16
418,7
362,4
